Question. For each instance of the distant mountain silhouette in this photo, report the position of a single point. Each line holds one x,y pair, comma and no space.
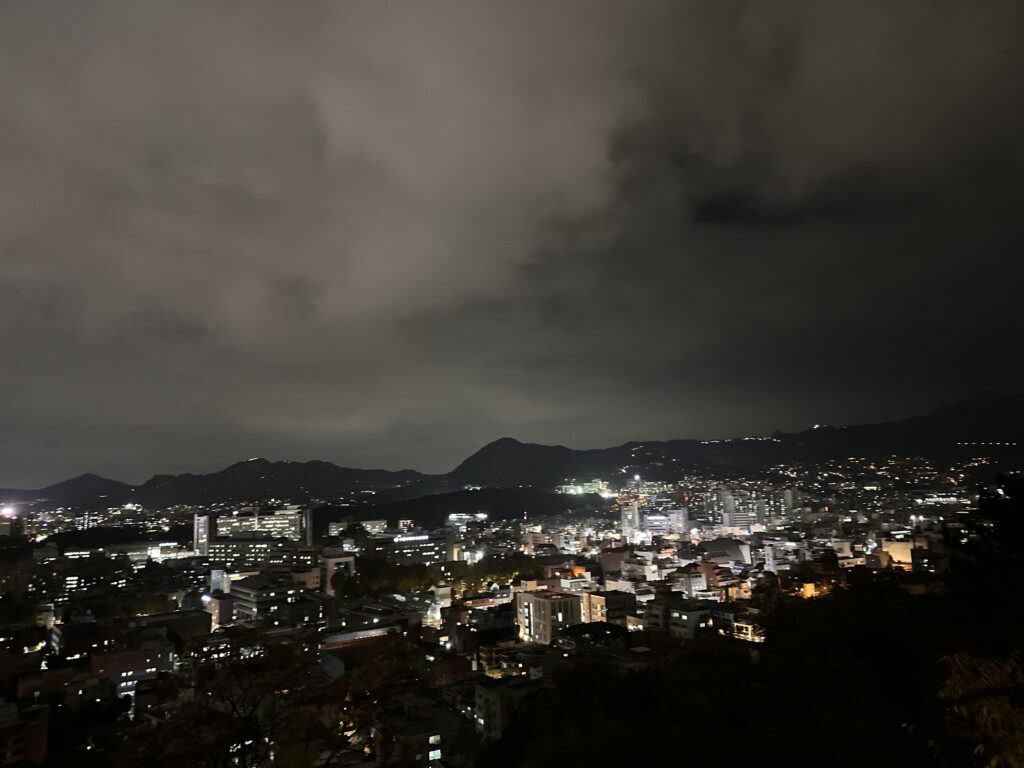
508,462
986,424
262,479
252,480
950,431
84,489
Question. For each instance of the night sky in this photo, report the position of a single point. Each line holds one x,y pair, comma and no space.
383,234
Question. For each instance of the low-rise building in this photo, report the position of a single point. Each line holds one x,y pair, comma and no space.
611,606
414,548
260,597
127,667
541,614
496,702
23,734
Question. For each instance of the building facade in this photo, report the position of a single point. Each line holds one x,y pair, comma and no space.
541,614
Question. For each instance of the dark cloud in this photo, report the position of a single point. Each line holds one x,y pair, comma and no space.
383,234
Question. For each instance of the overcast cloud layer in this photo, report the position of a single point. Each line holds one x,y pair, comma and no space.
383,234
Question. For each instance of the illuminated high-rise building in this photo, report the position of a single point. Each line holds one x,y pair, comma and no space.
204,530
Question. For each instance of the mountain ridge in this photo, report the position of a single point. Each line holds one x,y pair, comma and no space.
991,421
